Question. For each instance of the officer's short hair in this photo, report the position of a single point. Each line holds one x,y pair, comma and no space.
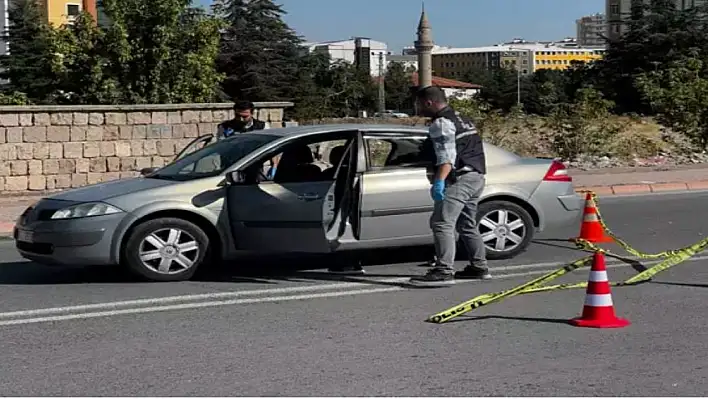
431,93
243,105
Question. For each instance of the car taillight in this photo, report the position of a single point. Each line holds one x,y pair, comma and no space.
557,172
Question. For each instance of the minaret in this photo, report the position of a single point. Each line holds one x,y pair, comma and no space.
424,48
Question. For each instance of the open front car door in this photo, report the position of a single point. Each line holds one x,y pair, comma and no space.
304,208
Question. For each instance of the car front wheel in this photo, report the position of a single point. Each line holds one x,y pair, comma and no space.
506,228
166,249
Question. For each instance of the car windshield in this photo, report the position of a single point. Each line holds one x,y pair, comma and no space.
213,159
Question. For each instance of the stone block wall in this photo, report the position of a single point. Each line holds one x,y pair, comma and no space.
59,147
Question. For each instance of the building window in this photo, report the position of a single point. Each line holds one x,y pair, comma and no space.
614,9
73,10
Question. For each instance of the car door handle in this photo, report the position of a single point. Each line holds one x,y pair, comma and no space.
309,197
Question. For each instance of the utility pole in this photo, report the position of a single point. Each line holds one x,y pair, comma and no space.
382,91
518,74
518,80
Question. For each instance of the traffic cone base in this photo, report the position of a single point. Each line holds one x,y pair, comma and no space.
616,323
591,229
598,310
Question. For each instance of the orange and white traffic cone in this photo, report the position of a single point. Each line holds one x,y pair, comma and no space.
591,229
598,311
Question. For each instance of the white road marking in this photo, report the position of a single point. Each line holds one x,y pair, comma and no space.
193,306
26,316
232,294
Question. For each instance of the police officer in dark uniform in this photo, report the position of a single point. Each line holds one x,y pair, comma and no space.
457,153
244,122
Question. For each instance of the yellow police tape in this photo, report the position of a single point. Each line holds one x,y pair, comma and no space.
672,258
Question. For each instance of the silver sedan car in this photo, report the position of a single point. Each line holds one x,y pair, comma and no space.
370,190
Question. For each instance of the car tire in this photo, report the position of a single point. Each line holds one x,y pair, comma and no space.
518,221
149,246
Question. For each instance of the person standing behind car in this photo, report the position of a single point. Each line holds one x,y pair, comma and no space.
457,153
244,122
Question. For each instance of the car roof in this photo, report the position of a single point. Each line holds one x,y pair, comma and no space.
493,151
364,127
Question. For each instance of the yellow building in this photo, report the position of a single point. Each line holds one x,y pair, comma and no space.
62,12
453,63
562,57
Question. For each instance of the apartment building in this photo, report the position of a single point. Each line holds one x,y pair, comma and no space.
525,57
361,51
590,30
62,12
453,63
620,11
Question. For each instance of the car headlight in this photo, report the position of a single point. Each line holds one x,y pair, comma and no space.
85,210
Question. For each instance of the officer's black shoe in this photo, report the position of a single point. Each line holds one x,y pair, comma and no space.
473,273
434,278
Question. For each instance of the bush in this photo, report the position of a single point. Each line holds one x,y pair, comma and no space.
584,129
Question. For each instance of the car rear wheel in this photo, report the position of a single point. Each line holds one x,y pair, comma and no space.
166,249
506,228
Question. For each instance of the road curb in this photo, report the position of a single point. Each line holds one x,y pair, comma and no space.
629,189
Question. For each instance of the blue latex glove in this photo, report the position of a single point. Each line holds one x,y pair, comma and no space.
228,132
271,172
437,191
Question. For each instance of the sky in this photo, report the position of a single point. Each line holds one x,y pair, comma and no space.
456,23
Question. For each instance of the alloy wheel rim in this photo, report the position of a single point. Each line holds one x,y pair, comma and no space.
502,230
169,251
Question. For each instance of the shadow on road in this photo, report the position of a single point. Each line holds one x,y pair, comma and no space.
28,273
554,242
256,270
268,270
696,285
531,319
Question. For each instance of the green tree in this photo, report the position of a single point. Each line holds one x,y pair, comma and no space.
33,64
311,97
194,74
332,89
679,93
161,51
499,86
398,84
85,68
260,54
546,89
348,89
659,34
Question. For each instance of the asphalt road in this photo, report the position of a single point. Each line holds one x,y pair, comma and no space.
273,329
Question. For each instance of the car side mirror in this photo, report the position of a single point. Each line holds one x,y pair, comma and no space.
147,171
236,177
